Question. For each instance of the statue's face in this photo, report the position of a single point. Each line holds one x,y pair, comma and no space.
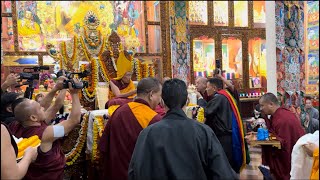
28,15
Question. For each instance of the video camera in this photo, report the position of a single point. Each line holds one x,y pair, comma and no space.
70,75
29,73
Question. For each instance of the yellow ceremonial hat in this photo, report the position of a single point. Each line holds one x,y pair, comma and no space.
124,65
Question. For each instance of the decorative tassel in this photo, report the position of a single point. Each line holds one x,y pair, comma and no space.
289,5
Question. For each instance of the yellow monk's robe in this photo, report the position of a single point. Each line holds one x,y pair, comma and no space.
124,88
124,65
114,102
315,166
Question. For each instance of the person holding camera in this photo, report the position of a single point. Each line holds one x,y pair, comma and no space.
11,79
31,120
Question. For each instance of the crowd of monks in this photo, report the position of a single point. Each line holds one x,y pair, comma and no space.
148,135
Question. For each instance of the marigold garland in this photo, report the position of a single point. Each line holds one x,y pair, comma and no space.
136,65
73,155
151,70
89,92
145,71
64,55
200,115
103,70
98,127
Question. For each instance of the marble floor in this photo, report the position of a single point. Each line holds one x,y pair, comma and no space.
252,171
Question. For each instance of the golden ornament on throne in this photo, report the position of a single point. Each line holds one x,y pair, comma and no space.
91,46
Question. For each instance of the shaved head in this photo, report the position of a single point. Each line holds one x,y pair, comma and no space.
201,84
202,80
270,98
24,110
268,104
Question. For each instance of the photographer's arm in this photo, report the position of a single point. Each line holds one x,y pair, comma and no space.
46,101
228,83
54,132
54,108
117,92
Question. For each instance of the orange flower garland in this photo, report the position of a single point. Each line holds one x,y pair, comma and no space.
103,70
73,155
98,127
136,64
64,55
151,70
90,92
145,71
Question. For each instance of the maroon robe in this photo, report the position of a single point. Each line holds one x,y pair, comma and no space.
287,128
117,101
120,135
160,110
206,96
49,165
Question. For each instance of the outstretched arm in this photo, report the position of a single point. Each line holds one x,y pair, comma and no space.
54,108
46,101
117,92
228,83
53,132
10,169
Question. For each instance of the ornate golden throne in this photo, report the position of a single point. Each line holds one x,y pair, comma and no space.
90,50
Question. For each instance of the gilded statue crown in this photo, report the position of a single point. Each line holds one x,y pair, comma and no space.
91,20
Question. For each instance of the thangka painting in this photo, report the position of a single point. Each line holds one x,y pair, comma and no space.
42,22
312,46
313,68
180,42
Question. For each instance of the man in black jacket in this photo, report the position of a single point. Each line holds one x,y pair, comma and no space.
178,147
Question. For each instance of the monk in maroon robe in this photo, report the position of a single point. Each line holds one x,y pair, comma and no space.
287,128
123,128
201,85
31,120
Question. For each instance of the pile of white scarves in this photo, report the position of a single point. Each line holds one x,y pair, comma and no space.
301,163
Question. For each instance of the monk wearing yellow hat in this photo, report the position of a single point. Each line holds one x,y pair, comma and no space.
122,89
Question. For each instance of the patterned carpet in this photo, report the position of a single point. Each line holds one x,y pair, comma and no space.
251,171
